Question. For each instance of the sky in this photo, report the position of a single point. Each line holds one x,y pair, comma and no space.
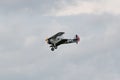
25,24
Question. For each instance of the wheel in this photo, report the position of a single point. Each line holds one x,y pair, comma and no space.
52,49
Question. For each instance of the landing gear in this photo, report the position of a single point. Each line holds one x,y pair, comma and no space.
52,49
55,47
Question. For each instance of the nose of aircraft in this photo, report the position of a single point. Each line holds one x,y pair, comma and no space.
46,39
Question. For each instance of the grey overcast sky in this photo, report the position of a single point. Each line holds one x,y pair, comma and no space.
25,24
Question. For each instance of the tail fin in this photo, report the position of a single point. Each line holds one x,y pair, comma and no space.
77,38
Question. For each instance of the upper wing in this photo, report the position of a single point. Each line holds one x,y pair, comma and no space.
57,35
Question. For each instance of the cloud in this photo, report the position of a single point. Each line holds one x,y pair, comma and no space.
87,7
29,7
24,54
60,7
27,54
30,40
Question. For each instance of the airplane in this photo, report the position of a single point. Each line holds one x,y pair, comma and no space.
57,40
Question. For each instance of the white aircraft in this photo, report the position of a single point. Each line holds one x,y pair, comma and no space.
57,40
